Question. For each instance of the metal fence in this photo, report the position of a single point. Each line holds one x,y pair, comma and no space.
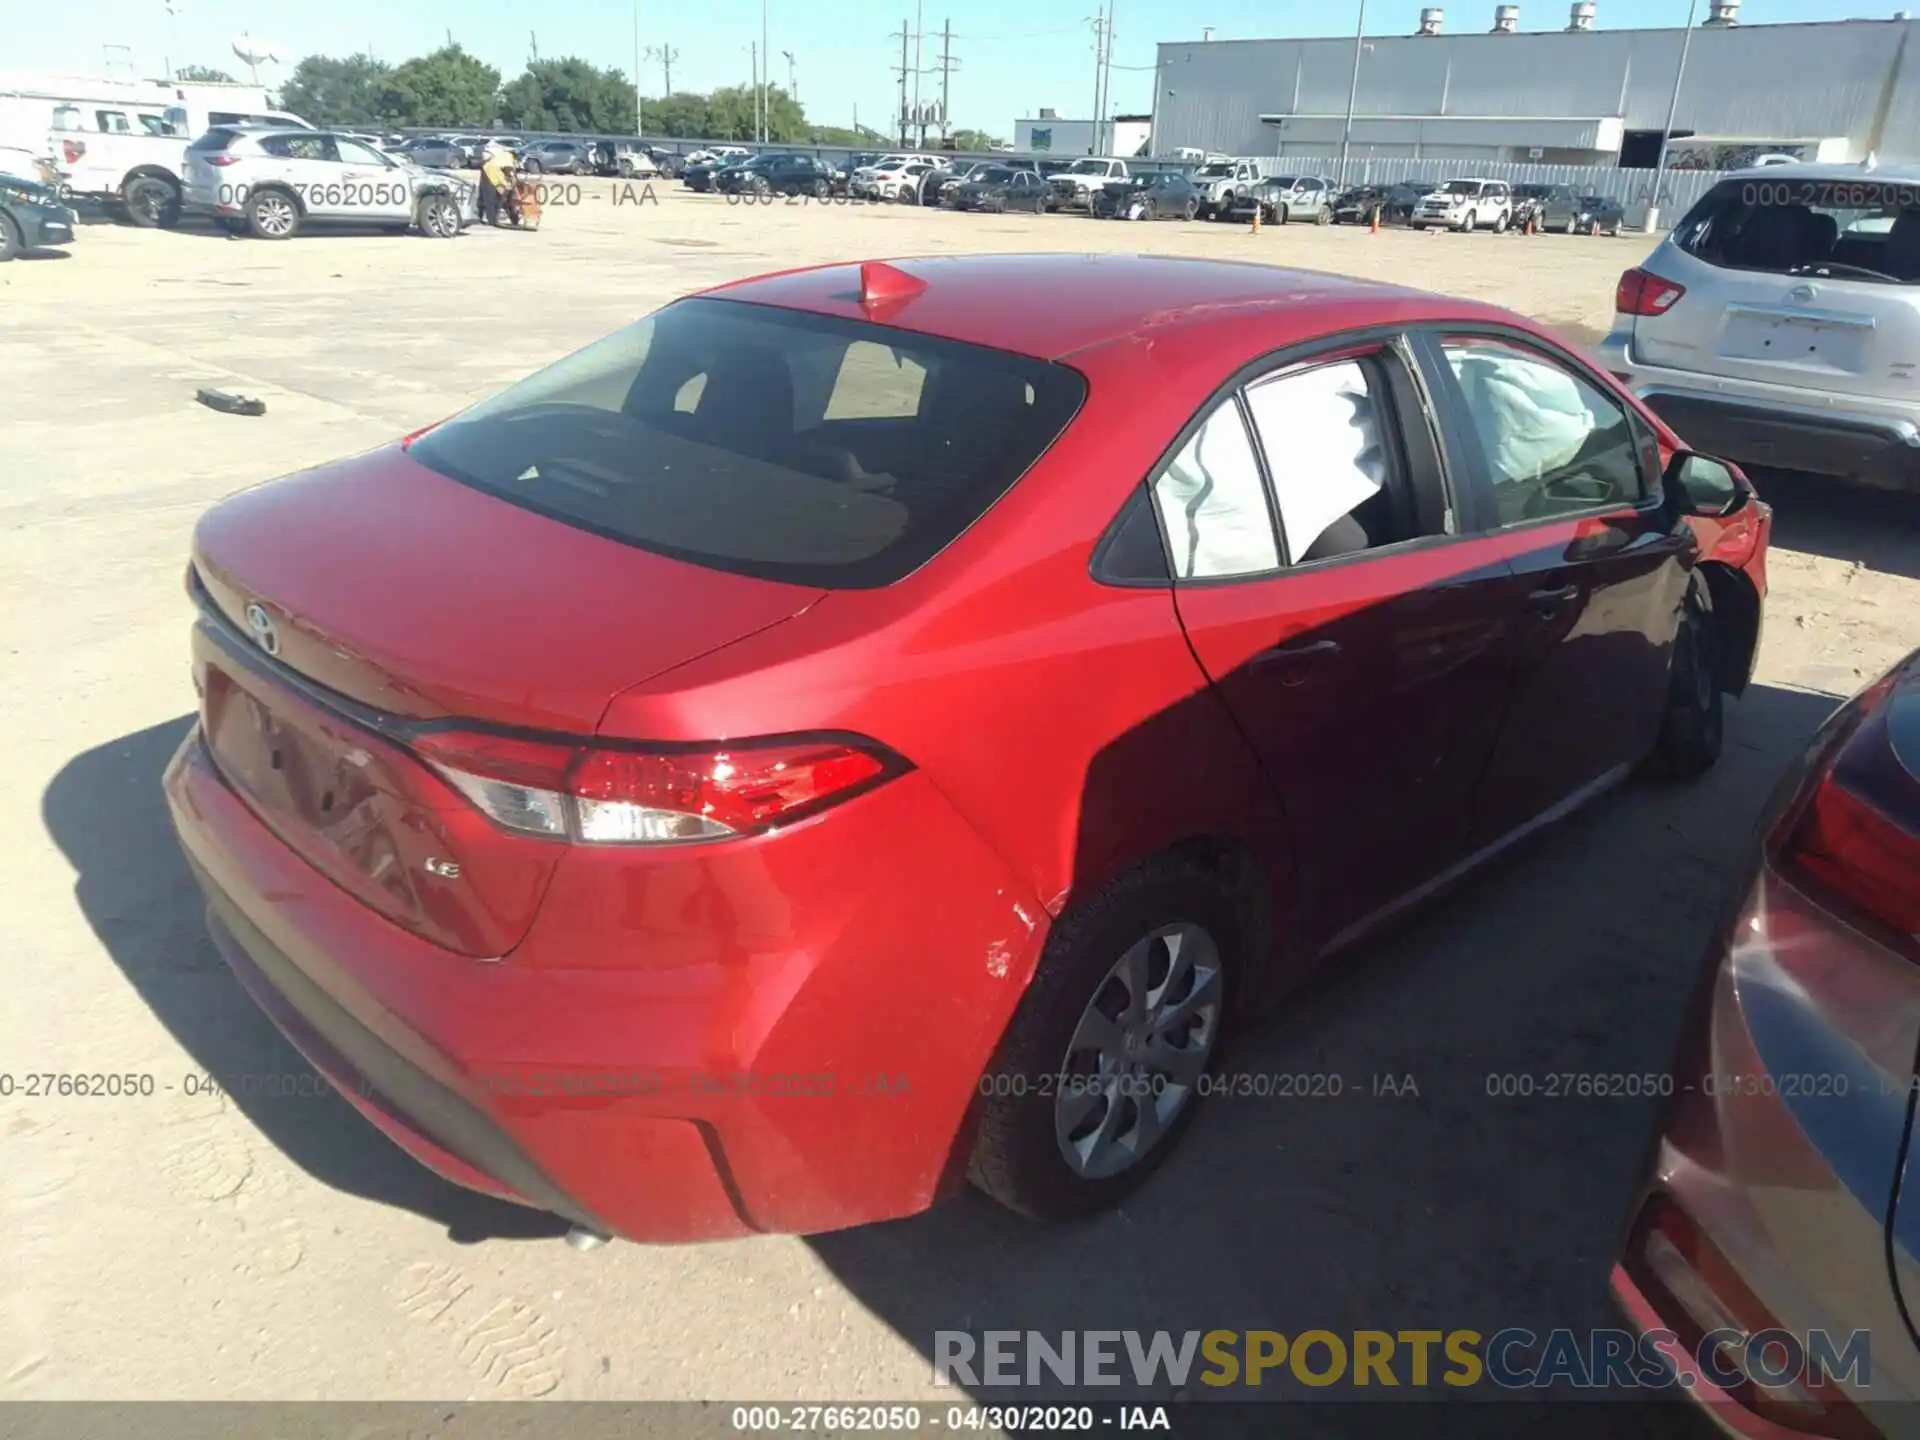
1632,188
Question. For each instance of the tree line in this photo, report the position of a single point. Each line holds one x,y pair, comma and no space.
569,95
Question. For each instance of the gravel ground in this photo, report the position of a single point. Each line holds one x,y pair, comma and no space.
257,1247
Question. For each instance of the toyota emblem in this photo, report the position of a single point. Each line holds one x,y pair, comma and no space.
1802,292
261,624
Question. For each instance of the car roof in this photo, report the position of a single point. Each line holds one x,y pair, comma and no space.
1051,305
1906,174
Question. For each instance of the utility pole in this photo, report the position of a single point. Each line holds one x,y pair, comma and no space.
1673,109
904,112
766,95
793,85
1353,91
534,41
1099,23
1106,90
638,125
753,49
919,32
666,55
946,75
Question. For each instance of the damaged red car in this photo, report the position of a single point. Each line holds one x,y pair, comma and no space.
871,726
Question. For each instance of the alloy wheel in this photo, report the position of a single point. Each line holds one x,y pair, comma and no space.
1136,1058
274,215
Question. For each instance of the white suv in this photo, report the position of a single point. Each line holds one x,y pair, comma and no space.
274,181
1466,204
1779,323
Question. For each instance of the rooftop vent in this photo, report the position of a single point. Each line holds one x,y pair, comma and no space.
1580,18
1506,19
1046,114
1431,19
1722,13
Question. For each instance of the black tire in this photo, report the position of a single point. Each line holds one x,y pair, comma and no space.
1471,223
1281,215
819,189
626,169
1500,222
532,167
1016,1156
1223,207
10,241
153,203
437,217
1693,727
1324,217
1190,209
1573,224
273,215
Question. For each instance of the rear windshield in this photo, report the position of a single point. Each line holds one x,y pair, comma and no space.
765,442
1842,230
215,140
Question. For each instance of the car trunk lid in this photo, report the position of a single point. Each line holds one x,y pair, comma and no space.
1775,294
346,606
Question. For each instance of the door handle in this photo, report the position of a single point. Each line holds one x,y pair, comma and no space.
1554,598
1296,657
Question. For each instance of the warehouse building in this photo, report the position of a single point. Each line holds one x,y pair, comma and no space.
1578,94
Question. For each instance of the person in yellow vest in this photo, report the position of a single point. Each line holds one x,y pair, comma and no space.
496,184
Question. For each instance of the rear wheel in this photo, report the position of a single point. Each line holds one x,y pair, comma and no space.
1692,728
1105,1061
152,202
1190,209
273,215
532,167
1500,223
1281,215
1573,224
819,189
1323,217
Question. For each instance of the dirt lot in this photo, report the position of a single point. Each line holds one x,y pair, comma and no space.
273,1246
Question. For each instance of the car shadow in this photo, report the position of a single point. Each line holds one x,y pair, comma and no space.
44,252
105,811
1415,1197
1816,514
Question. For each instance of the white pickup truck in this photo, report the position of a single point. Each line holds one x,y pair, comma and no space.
1074,187
135,176
1222,181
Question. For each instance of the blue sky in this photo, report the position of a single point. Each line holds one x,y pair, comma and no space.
1013,58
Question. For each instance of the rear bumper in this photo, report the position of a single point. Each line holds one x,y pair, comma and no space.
690,1048
1780,426
1778,1142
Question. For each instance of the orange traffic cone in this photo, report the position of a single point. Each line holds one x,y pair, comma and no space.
1256,220
1531,226
1374,226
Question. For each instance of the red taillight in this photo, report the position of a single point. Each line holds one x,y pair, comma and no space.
617,796
1640,292
73,150
222,161
1845,844
413,435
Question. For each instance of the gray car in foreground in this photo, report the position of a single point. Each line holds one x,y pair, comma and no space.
1773,1250
1779,323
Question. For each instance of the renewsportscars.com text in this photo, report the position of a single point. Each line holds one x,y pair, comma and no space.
1510,1359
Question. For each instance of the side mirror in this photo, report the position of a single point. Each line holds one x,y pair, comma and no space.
1701,485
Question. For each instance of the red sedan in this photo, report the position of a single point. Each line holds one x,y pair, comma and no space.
870,725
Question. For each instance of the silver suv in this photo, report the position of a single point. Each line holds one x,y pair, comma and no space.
272,181
1467,204
1779,323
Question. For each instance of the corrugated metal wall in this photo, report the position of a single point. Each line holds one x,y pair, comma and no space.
1774,82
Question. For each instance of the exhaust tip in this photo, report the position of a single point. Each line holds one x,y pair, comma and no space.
582,1239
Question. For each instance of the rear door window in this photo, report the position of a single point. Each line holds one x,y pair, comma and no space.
766,442
1843,230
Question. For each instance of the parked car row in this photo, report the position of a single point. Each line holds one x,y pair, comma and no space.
1110,188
